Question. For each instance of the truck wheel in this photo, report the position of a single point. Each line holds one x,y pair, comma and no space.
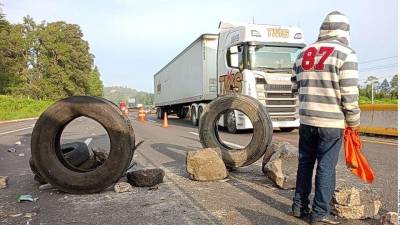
182,113
160,113
230,121
258,115
52,165
200,112
195,121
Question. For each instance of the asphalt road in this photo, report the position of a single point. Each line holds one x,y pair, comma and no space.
246,197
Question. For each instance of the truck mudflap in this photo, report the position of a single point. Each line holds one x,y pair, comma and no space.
259,117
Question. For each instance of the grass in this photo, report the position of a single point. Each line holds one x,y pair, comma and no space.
366,100
12,108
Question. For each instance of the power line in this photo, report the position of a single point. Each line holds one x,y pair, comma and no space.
378,59
379,67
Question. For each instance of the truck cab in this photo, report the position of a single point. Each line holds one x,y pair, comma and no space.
257,60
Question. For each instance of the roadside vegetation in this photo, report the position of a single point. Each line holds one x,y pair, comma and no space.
385,92
12,108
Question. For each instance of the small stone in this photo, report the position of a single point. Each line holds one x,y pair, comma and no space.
13,150
30,215
122,187
3,182
145,177
45,187
16,215
21,154
18,143
281,166
350,196
206,165
390,218
367,210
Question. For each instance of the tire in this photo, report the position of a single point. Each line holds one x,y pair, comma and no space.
182,113
287,129
46,151
195,121
160,113
230,122
75,152
258,115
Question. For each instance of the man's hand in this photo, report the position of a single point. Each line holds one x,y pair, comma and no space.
357,128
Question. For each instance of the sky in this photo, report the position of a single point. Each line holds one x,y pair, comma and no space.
132,40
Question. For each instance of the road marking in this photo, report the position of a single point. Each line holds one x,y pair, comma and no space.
13,131
87,141
153,121
226,142
379,142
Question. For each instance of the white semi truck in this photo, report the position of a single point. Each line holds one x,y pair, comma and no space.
249,59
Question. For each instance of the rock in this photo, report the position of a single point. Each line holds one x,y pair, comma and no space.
271,149
352,196
145,177
18,143
3,182
12,150
390,218
367,210
122,187
281,166
206,165
21,154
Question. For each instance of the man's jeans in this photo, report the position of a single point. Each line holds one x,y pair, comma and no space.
321,145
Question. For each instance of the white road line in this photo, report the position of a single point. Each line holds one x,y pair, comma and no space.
87,141
13,131
226,142
153,121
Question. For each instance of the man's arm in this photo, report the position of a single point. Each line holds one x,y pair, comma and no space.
348,82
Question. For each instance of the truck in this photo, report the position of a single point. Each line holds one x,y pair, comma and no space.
248,59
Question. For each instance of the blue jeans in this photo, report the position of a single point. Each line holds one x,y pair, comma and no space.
322,145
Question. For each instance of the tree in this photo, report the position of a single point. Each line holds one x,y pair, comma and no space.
394,87
384,88
372,84
95,85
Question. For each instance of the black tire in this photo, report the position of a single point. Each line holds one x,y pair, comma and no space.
182,112
160,113
230,122
287,129
193,113
258,115
46,151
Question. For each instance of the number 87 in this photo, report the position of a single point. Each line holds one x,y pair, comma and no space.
308,61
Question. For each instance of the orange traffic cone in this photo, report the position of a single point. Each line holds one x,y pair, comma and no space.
126,112
142,115
165,124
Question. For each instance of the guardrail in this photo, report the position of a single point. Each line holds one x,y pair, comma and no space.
379,119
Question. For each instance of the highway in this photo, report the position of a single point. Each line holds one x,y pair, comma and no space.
245,197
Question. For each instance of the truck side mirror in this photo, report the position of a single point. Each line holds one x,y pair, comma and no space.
233,57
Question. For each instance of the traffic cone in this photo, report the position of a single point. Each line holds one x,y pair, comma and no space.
165,124
142,115
126,112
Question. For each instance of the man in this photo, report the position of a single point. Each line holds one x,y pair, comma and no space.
325,76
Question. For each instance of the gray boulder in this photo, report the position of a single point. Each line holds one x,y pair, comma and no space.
145,177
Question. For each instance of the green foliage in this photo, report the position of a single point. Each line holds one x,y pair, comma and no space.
384,93
46,60
16,107
118,94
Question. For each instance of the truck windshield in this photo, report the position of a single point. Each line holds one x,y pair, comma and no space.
273,57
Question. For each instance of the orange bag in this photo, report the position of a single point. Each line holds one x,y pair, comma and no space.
355,160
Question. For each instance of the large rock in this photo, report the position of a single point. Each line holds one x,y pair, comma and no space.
351,196
145,177
367,210
390,218
281,166
3,182
355,203
206,165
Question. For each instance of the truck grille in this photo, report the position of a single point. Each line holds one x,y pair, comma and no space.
278,99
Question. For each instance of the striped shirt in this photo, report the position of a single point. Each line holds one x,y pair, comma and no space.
325,75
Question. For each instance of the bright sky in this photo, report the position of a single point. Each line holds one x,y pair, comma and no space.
134,39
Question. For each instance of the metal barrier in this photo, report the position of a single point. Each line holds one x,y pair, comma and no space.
379,119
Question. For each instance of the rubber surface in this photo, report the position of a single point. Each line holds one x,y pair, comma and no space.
46,151
258,115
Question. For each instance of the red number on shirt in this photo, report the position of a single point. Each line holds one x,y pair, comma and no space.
309,57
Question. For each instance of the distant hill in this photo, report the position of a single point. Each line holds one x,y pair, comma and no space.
117,94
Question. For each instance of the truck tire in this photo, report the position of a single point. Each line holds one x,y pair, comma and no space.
182,113
160,113
258,115
230,122
47,155
193,113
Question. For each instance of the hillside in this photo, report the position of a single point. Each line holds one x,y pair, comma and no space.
117,94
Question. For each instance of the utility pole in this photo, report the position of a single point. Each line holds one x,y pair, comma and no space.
372,92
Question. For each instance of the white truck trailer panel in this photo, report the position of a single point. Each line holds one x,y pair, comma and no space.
190,76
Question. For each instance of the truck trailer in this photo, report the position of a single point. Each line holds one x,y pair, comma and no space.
249,59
